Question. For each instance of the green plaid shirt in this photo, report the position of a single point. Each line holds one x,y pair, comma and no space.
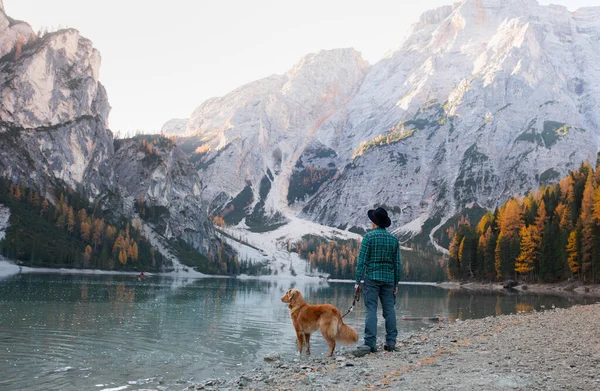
379,257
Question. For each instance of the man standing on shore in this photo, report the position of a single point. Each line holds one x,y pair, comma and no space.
380,267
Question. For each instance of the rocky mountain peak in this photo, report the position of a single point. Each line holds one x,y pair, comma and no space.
436,16
324,59
13,33
175,127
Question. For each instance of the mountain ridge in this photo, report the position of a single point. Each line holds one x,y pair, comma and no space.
484,99
55,137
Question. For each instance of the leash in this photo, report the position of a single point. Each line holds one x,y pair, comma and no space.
356,299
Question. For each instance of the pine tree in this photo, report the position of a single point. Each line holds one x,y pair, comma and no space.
85,229
70,220
98,231
485,222
45,206
490,240
542,217
17,193
510,218
588,226
498,256
453,258
134,252
510,224
87,256
529,252
572,245
35,201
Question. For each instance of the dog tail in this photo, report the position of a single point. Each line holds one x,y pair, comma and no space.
346,334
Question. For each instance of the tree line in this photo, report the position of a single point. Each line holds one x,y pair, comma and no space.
551,234
71,232
338,258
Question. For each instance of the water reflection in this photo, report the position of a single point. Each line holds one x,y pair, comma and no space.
76,332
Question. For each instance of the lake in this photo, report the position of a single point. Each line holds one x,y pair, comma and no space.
73,332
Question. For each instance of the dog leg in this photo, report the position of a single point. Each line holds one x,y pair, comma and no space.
329,336
307,339
300,337
331,343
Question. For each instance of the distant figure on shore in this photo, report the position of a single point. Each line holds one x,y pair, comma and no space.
141,276
380,266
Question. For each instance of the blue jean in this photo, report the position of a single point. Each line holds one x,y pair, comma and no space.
373,292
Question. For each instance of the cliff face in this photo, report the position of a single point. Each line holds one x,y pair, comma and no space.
155,170
54,133
253,137
484,99
53,109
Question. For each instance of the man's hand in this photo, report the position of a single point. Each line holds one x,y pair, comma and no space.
395,290
357,288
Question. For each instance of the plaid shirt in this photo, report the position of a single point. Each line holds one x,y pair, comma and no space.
379,257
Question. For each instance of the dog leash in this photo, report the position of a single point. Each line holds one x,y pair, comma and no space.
356,298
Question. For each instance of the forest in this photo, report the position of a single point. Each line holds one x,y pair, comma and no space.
551,234
338,258
71,232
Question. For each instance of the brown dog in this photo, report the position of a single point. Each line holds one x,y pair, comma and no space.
308,318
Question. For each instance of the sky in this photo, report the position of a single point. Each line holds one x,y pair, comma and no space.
160,60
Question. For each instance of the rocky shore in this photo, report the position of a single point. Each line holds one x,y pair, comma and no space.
565,288
557,349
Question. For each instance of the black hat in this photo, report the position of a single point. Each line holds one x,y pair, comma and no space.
380,217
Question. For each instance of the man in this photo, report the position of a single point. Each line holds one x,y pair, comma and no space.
380,266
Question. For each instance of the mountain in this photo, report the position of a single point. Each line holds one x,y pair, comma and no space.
175,127
54,111
251,138
152,169
483,100
54,136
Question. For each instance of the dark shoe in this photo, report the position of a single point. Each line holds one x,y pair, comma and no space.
363,350
389,348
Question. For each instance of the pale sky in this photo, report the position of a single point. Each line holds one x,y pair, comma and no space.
160,60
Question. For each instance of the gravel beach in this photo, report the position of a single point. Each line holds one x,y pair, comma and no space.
558,349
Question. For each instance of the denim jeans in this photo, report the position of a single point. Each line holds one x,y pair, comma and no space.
373,292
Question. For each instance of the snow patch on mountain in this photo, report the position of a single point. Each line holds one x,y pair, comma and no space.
261,129
273,247
483,101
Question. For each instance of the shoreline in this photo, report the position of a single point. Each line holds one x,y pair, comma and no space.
550,350
562,288
9,268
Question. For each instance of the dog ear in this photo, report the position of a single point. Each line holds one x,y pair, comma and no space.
291,294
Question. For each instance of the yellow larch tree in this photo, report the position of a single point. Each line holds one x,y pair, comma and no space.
529,252
87,255
573,260
71,219
587,223
510,219
497,257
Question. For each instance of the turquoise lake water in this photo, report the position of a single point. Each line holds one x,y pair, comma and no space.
71,332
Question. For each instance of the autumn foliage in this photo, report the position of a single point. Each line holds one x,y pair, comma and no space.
65,230
551,234
336,257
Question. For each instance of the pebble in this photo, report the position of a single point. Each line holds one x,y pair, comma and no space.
549,350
